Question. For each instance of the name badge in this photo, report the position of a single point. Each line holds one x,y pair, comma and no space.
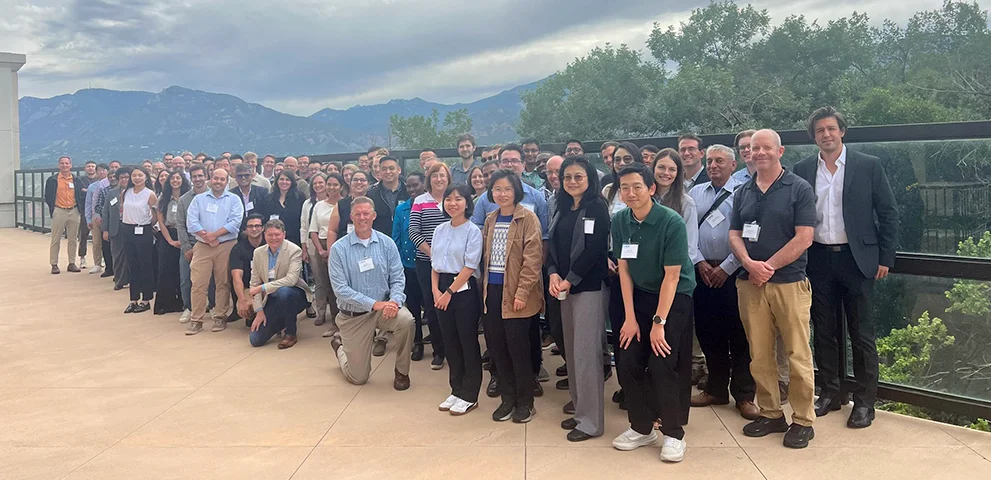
463,288
528,206
589,226
629,251
271,274
365,265
175,207
139,230
71,185
212,208
751,231
274,216
249,206
715,218
350,227
113,201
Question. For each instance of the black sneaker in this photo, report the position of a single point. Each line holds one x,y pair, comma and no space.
493,389
523,414
437,363
562,371
538,389
798,436
765,426
503,413
562,384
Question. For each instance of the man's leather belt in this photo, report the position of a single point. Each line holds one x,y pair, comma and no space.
835,248
353,314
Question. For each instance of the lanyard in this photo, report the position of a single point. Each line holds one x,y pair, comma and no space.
760,195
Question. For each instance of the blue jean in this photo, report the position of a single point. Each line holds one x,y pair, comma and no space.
281,310
186,285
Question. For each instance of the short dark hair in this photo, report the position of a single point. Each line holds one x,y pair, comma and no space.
741,136
606,145
237,156
593,191
196,166
103,166
690,136
122,171
464,137
425,150
514,180
89,162
372,149
825,112
419,175
255,216
638,169
575,140
649,148
389,158
242,168
512,147
466,192
531,140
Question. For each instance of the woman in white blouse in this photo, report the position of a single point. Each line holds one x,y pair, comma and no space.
316,231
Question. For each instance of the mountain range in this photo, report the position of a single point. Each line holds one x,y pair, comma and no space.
104,125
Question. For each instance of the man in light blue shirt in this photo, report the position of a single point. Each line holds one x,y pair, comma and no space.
511,157
367,275
742,145
214,218
88,211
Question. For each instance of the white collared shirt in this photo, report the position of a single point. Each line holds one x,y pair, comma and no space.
830,229
689,184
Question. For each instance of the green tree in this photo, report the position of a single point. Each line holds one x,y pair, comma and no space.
907,353
417,131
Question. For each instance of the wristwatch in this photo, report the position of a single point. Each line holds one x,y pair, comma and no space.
659,321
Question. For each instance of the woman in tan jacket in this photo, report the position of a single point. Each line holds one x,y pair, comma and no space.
513,293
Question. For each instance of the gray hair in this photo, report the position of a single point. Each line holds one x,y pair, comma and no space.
721,149
362,200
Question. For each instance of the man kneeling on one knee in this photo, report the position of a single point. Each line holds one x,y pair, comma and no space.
278,290
367,275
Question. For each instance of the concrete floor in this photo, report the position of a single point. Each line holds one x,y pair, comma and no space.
88,392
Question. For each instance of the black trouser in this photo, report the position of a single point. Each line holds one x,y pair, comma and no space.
108,258
723,340
459,326
616,316
838,284
414,302
168,298
423,270
140,252
83,234
510,350
552,312
659,386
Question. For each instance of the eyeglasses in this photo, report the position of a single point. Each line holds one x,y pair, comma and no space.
688,149
531,150
573,151
358,180
243,175
627,160
491,158
743,147
510,161
574,178
254,226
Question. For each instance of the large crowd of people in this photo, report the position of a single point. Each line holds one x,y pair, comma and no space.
705,274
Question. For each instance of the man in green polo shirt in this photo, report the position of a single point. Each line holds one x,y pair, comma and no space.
657,280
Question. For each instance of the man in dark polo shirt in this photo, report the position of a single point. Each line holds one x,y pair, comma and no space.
657,279
771,228
241,256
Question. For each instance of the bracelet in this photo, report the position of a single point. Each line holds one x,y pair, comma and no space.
449,291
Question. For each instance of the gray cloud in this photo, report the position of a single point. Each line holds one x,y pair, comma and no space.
303,55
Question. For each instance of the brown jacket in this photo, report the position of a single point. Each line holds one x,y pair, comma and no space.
288,272
524,257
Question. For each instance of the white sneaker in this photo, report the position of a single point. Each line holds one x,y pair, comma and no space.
447,404
82,262
186,314
673,449
462,407
96,269
631,440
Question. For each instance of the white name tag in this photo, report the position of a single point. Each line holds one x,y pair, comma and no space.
139,230
175,207
350,228
751,231
212,208
274,216
463,288
629,251
271,274
589,226
528,206
715,218
113,201
71,185
249,206
365,265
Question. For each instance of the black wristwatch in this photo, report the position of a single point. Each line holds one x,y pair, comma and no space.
659,321
449,291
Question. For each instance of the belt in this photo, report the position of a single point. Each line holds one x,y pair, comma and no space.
352,314
834,248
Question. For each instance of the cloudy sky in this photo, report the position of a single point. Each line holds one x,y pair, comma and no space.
299,56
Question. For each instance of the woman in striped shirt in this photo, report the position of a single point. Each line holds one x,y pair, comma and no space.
425,216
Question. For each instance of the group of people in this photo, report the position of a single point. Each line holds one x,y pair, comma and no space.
680,255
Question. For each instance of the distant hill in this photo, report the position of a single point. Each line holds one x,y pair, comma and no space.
103,124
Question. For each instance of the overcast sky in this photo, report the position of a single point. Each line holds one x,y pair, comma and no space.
299,56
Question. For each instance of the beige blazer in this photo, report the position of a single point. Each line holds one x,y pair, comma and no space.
288,272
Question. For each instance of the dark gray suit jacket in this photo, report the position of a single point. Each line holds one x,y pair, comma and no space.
870,214
111,214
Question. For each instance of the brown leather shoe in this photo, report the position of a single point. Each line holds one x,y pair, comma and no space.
73,268
704,400
748,410
402,381
287,342
55,270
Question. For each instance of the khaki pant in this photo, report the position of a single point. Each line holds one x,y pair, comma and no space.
766,310
357,335
323,292
209,261
64,221
94,230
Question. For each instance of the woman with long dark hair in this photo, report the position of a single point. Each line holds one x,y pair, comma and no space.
168,297
477,182
137,206
161,179
285,202
668,174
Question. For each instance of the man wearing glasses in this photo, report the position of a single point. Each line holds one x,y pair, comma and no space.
466,150
742,145
240,263
253,197
690,148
